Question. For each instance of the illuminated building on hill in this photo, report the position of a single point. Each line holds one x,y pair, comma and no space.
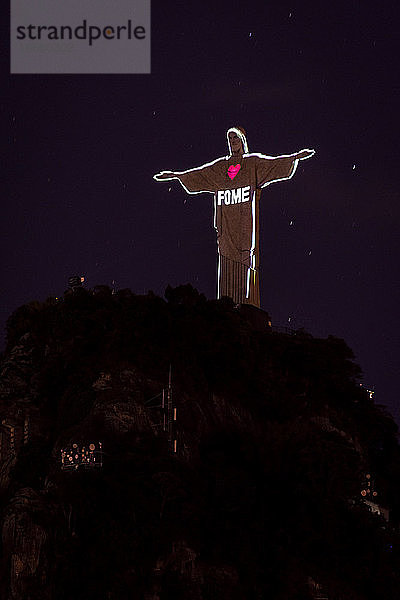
370,497
78,456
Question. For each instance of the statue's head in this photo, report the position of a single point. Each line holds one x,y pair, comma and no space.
237,142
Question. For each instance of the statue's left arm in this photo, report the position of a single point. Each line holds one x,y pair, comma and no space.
278,168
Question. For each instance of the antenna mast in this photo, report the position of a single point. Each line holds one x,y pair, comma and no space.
171,414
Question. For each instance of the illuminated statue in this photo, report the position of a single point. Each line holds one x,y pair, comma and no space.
236,182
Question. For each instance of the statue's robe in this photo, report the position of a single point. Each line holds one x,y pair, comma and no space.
236,215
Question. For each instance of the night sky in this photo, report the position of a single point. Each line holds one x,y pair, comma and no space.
80,151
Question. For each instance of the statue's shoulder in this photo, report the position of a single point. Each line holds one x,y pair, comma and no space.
217,163
254,156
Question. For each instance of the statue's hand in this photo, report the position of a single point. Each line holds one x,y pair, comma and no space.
303,154
164,175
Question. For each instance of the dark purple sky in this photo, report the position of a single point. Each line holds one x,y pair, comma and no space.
81,151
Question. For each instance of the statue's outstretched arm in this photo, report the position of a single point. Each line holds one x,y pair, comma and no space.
196,180
306,153
279,168
164,175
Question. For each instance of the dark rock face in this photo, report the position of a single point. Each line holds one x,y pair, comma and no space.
240,480
25,544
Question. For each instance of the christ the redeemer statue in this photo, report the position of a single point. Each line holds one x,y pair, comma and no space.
236,182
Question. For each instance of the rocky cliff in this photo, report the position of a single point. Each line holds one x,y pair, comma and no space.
182,448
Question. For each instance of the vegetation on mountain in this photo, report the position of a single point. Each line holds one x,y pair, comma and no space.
275,436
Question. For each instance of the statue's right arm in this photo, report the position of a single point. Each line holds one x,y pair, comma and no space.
198,179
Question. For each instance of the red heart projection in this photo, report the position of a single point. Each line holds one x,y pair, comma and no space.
233,171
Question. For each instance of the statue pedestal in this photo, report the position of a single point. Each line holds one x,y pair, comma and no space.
258,318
